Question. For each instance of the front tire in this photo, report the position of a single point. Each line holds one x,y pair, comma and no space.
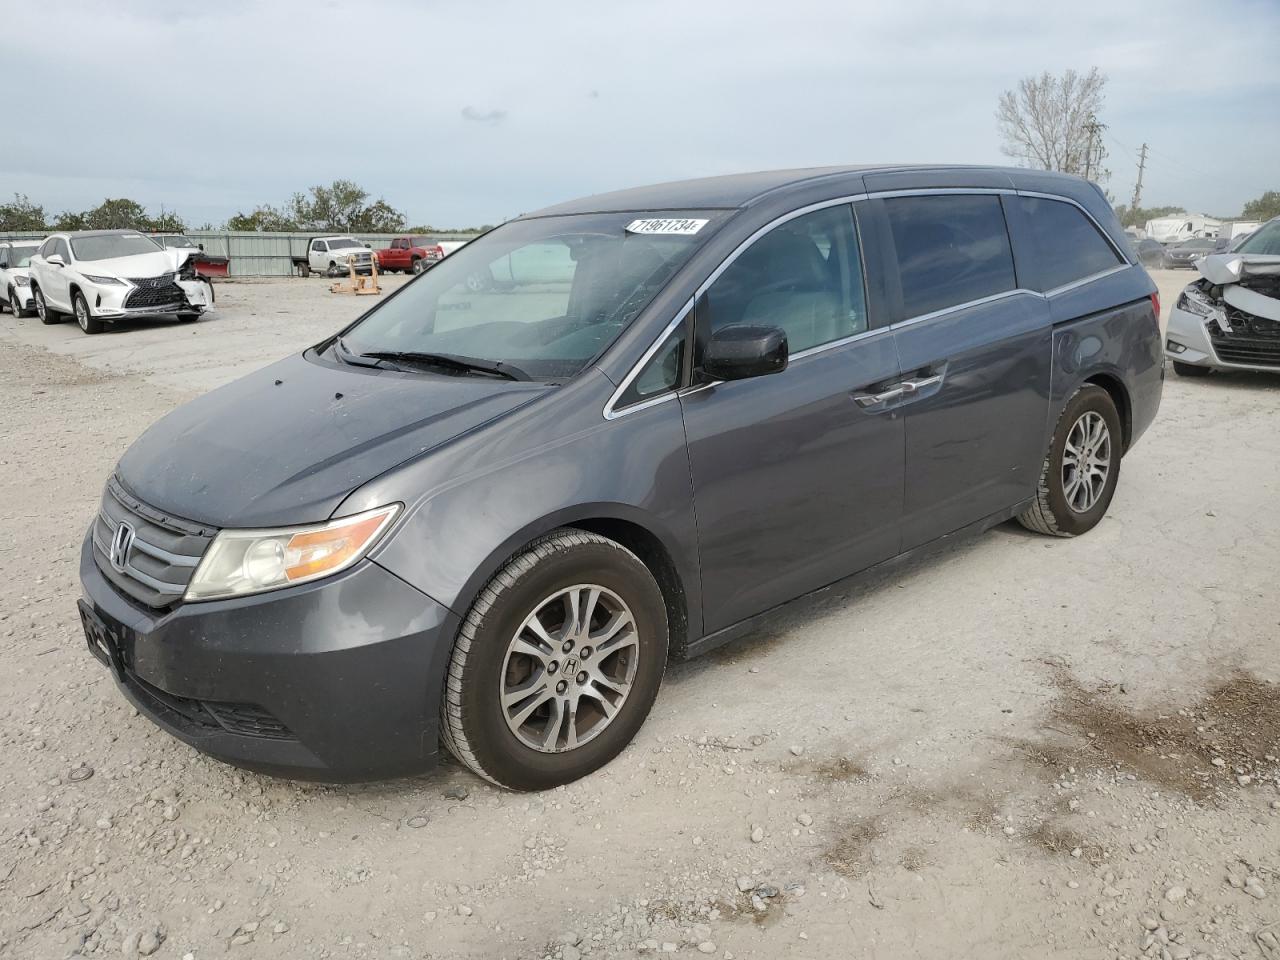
333,271
15,305
417,266
557,663
1081,469
87,321
1190,369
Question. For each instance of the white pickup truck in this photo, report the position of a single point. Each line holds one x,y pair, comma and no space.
330,256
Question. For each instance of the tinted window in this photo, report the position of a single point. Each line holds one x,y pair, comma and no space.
1264,240
110,245
951,249
804,276
1064,242
661,374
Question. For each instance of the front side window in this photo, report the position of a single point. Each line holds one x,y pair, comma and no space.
318,246
61,249
545,295
804,276
952,249
1064,243
112,245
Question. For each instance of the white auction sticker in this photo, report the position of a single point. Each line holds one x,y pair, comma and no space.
678,225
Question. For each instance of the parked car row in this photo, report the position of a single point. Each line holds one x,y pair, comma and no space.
102,276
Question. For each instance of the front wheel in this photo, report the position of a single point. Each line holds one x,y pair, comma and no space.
15,304
417,266
88,322
1081,468
334,271
557,663
1190,369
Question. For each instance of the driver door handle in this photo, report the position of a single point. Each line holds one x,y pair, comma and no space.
879,399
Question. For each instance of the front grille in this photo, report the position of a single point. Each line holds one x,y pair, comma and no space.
1254,341
248,721
147,294
164,552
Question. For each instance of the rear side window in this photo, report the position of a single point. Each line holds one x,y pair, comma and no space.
952,249
1064,243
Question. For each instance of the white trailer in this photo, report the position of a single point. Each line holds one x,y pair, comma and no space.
1185,226
1237,228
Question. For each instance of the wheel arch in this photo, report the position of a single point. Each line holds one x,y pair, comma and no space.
1120,397
625,525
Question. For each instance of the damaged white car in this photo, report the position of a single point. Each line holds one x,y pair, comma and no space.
1229,319
100,276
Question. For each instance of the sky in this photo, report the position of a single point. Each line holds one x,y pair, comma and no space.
473,111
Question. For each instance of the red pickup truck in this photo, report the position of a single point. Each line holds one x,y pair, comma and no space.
409,254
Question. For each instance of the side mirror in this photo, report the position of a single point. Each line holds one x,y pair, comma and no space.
55,260
200,246
737,352
4,264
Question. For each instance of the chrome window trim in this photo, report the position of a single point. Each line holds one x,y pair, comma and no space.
612,414
609,412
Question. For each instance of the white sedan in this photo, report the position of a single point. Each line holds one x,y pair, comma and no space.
99,276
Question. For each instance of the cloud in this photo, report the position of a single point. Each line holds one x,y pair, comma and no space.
490,117
804,83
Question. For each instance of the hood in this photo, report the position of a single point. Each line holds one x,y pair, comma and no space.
1223,268
285,445
138,265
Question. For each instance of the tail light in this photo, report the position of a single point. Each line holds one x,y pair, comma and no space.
1155,305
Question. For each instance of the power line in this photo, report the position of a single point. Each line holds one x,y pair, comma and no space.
1137,187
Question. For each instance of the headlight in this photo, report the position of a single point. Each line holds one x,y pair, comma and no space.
22,281
1194,301
105,281
240,562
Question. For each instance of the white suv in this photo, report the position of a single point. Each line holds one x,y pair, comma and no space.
105,275
15,276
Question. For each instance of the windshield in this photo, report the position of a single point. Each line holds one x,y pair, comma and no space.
545,295
21,256
421,242
182,242
344,244
112,245
1264,240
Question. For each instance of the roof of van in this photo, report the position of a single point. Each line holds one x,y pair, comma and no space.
740,189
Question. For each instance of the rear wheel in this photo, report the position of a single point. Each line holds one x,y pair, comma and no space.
557,663
1190,369
88,322
1081,468
46,313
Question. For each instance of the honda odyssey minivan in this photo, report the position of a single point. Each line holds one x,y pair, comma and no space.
613,432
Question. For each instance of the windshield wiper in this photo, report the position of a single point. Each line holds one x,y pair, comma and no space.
452,361
343,353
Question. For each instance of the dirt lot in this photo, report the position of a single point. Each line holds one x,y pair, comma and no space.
1020,748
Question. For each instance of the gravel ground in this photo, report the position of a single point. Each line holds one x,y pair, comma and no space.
1021,747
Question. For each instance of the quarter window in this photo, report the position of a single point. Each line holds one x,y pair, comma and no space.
1064,244
952,249
804,276
661,374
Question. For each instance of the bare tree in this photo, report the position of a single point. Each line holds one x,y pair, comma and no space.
1050,122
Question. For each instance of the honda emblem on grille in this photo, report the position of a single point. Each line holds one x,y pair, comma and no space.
121,542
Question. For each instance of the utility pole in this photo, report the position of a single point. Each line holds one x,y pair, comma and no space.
1093,152
1137,187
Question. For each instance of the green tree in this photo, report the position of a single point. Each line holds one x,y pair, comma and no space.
22,214
343,206
1263,208
69,220
264,219
1138,216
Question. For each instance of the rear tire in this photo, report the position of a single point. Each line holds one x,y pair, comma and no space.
47,314
562,729
1190,369
87,321
1081,469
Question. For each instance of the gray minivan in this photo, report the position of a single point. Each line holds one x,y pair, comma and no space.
609,433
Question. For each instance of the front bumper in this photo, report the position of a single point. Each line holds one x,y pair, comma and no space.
1189,332
336,680
109,301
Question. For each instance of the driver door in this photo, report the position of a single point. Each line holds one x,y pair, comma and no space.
797,475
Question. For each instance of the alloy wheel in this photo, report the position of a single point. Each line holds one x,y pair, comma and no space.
40,306
82,314
1086,461
569,668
